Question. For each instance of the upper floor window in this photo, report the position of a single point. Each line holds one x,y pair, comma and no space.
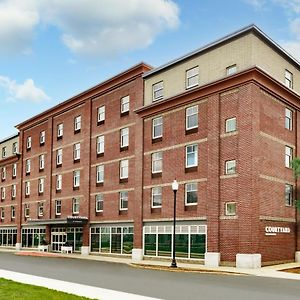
75,205
42,137
42,161
288,195
4,153
27,166
157,127
14,170
27,188
58,182
2,214
41,184
230,209
59,156
157,162
124,137
124,168
26,210
192,77
231,70
101,114
191,117
13,191
124,200
100,174
125,104
191,156
40,209
13,212
230,125
60,130
158,90
58,207
99,202
77,123
15,148
191,193
3,193
156,197
76,178
76,151
28,143
288,119
288,156
3,173
230,167
288,77
100,144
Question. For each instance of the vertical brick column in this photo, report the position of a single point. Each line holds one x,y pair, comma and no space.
297,192
48,166
212,256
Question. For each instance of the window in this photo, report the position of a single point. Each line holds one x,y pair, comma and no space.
157,127
100,174
191,117
100,144
27,188
288,79
76,151
158,90
124,137
77,123
2,213
58,207
75,206
28,143
13,191
156,162
59,157
125,104
156,198
288,156
230,167
41,185
15,148
26,210
42,161
58,182
76,178
3,152
192,77
191,193
42,137
288,119
60,130
124,168
101,114
288,195
230,209
14,170
13,212
3,193
99,203
231,70
40,209
27,166
124,200
3,173
230,125
191,156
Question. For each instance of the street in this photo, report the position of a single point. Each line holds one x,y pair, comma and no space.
152,283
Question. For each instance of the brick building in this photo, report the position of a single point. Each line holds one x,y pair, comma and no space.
96,170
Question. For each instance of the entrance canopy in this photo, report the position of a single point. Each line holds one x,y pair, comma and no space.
71,220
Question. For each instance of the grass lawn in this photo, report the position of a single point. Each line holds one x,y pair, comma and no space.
10,290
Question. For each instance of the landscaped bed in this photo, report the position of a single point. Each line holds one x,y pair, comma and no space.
10,290
293,270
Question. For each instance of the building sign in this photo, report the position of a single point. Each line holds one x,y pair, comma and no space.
272,230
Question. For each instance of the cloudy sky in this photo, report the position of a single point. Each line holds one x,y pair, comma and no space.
51,50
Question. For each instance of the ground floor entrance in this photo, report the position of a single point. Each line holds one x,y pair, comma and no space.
71,236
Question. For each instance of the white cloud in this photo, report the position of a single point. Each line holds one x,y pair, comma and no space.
26,92
88,27
258,4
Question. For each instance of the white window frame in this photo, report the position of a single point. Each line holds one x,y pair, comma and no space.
99,201
2,213
57,205
123,197
101,113
157,91
27,166
26,210
14,170
42,137
125,102
156,192
15,148
77,123
124,137
157,123
288,79
289,197
59,156
14,191
76,178
58,182
156,162
42,162
230,70
27,188
288,120
288,156
3,173
187,189
60,130
100,174
227,125
40,209
100,144
4,152
191,112
227,212
75,206
41,185
13,212
76,151
192,77
28,143
228,168
124,168
3,193
194,152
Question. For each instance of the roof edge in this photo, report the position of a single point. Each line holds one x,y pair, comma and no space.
9,138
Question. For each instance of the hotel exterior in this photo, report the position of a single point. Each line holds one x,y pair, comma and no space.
96,170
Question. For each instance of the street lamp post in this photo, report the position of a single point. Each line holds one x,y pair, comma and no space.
175,189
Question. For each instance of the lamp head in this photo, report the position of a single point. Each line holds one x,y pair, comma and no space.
175,185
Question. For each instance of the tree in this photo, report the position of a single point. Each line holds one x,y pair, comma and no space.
295,164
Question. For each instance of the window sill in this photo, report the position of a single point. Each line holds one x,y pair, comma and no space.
125,113
77,131
75,161
191,169
99,184
156,175
75,188
99,213
225,176
191,131
156,140
100,154
100,122
123,180
123,148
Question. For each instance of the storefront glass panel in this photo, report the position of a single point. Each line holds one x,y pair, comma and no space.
182,245
198,245
164,244
105,243
127,243
150,244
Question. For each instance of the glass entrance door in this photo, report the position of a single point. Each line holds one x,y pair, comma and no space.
57,240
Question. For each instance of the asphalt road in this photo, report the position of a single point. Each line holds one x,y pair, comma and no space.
151,283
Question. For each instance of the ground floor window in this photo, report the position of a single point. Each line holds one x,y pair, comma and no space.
8,237
33,237
190,241
71,236
118,240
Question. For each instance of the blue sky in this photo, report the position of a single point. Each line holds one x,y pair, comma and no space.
51,50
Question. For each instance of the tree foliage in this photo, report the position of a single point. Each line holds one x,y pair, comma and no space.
295,164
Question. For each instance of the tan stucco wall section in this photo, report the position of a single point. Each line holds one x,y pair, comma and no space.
8,144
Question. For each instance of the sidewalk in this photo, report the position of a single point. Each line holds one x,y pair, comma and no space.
269,271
